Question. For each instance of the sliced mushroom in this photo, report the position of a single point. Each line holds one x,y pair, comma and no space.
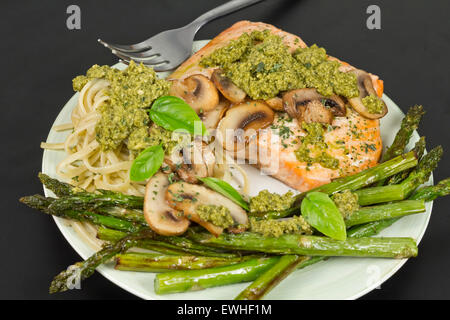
310,106
241,122
276,103
366,88
187,197
211,118
198,91
194,161
162,218
315,111
227,87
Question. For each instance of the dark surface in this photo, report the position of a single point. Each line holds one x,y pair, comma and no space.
40,56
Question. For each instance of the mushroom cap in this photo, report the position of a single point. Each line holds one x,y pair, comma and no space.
162,218
242,121
198,91
186,197
227,87
366,88
310,106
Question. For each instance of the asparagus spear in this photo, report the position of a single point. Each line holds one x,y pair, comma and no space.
152,262
430,193
150,244
419,149
183,247
76,198
409,123
132,215
65,190
312,245
91,201
418,176
423,171
269,279
42,203
380,194
61,189
82,270
371,228
181,281
386,211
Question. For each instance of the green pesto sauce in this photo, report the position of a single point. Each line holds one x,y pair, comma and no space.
266,201
373,104
322,74
276,228
314,141
217,215
346,201
260,64
124,117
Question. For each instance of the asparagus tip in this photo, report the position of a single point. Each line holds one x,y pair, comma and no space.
67,279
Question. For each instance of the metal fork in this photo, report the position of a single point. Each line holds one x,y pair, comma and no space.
170,48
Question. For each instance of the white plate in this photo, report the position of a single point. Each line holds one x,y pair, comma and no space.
336,278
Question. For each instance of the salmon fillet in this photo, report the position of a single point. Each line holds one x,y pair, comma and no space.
191,66
355,141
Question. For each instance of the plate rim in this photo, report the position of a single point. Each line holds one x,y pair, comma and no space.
102,269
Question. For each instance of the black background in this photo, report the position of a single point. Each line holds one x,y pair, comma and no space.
40,56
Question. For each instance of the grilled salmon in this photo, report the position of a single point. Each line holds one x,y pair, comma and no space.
354,140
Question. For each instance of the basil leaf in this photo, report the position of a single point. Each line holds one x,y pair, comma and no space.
173,113
225,189
147,163
321,212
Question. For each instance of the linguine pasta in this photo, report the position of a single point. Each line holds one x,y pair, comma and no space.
87,165
90,167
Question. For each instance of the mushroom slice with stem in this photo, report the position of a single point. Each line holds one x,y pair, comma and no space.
227,87
365,87
193,161
241,123
162,218
310,106
198,91
187,197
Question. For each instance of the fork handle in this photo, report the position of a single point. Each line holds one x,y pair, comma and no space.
222,10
